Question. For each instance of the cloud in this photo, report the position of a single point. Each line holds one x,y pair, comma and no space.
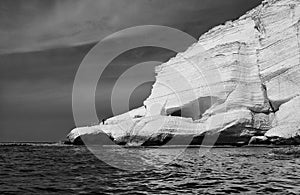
38,25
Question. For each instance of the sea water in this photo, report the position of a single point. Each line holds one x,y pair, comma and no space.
59,169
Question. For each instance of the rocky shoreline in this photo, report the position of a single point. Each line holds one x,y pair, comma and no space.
241,86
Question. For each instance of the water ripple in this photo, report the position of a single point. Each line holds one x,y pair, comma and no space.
32,169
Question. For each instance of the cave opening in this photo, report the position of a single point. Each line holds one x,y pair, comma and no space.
176,113
195,109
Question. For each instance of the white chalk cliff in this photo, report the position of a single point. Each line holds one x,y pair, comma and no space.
240,82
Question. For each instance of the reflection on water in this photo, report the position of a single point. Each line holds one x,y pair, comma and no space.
136,159
40,169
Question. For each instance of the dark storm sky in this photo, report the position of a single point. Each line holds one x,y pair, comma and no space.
42,43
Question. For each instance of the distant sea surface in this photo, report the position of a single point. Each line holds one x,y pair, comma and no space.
59,169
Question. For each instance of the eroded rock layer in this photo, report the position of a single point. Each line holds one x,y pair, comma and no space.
240,82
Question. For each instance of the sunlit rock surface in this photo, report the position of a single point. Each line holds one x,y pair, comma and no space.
286,126
241,80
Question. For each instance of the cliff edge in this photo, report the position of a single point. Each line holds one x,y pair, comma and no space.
239,84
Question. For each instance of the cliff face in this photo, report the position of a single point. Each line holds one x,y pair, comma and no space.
239,81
